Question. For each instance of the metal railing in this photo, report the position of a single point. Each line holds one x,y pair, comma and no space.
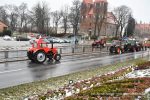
13,55
10,55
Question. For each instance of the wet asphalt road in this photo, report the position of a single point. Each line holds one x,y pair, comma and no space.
15,73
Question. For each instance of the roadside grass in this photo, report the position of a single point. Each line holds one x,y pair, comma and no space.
22,91
127,89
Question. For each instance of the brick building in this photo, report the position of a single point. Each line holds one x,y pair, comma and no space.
110,27
142,30
90,11
3,26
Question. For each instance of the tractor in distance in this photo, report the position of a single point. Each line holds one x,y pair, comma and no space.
99,43
40,51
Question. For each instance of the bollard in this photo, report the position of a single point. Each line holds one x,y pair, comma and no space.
60,51
107,48
72,50
6,54
83,49
100,48
92,49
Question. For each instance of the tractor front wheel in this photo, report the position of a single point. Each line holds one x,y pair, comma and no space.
40,56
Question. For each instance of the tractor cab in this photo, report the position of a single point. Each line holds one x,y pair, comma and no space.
40,51
39,43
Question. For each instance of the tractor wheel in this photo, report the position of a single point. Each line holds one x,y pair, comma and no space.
57,57
111,50
119,51
50,55
134,49
40,56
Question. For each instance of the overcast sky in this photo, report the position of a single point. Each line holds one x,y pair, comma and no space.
140,8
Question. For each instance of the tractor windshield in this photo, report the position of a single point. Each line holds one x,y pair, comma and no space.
35,45
43,45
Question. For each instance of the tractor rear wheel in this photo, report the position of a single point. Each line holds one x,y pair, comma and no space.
119,51
40,57
57,57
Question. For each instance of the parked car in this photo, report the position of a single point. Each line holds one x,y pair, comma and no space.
22,39
67,41
55,40
7,38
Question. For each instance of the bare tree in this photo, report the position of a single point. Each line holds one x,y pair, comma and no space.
13,16
56,15
40,17
3,15
65,15
121,15
74,16
22,12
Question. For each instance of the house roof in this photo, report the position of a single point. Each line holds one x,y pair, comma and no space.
110,18
3,24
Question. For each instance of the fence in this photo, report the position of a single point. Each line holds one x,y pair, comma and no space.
10,55
13,55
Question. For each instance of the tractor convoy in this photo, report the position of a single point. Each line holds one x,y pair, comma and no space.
119,47
40,51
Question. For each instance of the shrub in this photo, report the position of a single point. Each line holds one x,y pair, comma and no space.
7,32
94,37
1,34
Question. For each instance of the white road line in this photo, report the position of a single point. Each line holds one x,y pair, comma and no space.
11,71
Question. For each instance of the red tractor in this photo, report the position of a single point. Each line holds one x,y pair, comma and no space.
40,51
99,43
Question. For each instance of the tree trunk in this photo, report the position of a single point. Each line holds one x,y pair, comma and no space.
121,32
99,28
95,28
117,28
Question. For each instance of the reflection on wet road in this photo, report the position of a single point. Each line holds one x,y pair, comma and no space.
15,73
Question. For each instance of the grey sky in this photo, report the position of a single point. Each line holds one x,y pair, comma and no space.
140,8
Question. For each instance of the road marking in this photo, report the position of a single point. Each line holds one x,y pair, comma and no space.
11,71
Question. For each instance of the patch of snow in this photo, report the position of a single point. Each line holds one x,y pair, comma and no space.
139,73
147,90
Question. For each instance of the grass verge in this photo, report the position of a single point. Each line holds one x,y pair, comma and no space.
25,90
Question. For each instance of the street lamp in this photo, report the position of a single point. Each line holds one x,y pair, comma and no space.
90,31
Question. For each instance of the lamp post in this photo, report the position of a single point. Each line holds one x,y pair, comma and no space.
90,31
